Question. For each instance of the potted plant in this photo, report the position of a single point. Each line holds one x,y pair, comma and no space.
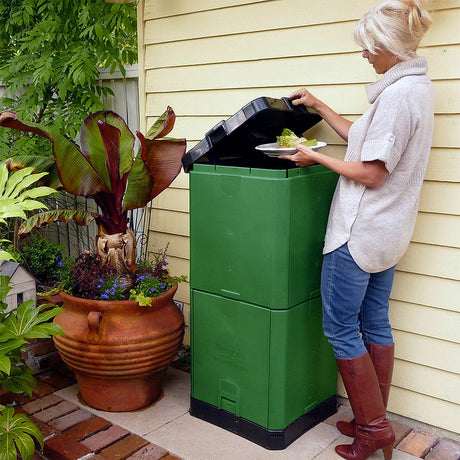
118,349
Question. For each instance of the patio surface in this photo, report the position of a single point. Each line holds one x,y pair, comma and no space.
165,430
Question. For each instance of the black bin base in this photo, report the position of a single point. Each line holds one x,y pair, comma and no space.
269,439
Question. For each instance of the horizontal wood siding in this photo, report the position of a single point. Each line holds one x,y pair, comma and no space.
209,58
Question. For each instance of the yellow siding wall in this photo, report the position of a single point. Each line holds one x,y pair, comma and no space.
207,58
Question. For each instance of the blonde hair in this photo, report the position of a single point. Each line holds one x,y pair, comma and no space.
396,26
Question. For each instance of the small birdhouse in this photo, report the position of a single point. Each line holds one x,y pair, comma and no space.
22,284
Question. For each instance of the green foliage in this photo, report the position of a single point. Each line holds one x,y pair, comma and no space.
16,328
119,173
45,261
17,195
21,324
50,56
16,434
153,279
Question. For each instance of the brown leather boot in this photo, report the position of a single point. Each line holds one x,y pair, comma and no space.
382,357
373,430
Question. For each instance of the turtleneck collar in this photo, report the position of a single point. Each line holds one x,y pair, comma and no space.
416,66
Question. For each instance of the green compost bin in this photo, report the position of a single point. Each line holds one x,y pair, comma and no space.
260,364
257,234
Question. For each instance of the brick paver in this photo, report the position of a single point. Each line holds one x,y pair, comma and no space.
41,403
104,438
43,389
57,380
41,347
124,448
64,447
70,420
46,430
417,443
63,408
149,452
445,449
401,431
84,429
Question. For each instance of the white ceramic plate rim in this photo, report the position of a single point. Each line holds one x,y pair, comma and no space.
272,149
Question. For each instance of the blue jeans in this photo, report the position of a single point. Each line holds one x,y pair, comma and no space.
355,304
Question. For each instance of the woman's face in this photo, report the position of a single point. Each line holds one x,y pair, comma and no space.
382,61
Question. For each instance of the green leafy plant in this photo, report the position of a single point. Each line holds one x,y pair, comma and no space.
152,279
16,434
21,324
45,261
17,195
50,56
117,169
16,327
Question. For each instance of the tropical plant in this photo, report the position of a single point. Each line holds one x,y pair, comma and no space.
21,324
117,169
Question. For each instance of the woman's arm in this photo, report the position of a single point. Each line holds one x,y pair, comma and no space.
369,173
338,123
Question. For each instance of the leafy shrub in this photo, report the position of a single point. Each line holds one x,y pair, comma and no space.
16,328
45,261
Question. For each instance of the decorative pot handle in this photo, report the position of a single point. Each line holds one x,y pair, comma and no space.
94,321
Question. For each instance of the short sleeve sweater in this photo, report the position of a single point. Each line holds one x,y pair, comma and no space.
377,223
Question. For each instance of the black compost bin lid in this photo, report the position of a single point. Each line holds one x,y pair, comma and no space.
232,142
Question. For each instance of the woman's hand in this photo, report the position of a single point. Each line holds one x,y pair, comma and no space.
339,124
303,96
304,156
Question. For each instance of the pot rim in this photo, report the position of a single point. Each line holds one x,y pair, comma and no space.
104,305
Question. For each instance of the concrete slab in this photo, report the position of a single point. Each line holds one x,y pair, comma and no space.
194,439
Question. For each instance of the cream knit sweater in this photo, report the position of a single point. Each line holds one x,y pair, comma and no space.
397,129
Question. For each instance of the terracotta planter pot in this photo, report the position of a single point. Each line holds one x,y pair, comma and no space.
119,350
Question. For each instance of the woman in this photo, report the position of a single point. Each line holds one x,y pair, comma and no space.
373,212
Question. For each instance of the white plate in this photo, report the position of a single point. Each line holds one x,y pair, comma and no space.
273,150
